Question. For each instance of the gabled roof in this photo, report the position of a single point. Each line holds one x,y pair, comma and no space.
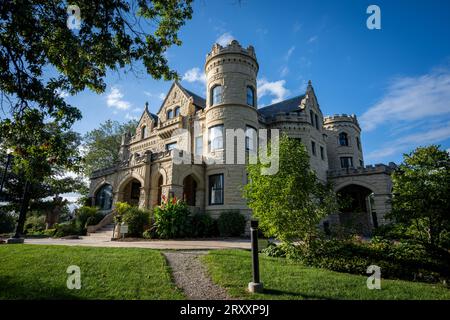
198,101
286,106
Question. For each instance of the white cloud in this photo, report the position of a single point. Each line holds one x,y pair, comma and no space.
114,99
194,75
137,110
162,95
275,88
225,39
313,39
289,53
409,142
411,99
284,71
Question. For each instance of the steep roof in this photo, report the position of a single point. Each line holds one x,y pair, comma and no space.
198,101
286,106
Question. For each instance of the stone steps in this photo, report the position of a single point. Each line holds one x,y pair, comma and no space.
104,233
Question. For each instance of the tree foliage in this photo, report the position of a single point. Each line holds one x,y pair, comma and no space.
421,192
291,203
101,146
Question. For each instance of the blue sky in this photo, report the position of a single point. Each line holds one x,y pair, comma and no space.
396,80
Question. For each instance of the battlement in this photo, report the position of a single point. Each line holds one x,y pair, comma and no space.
233,47
369,169
341,118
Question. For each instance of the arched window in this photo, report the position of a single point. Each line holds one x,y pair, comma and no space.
104,197
250,96
169,114
343,139
216,95
144,132
177,111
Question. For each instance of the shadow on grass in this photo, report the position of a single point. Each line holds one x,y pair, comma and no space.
12,288
276,292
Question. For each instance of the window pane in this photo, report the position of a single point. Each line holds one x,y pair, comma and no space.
215,138
250,96
346,162
343,139
170,114
322,155
177,111
216,189
317,121
250,138
171,146
217,95
311,115
199,146
313,147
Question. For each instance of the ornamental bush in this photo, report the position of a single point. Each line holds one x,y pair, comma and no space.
231,224
137,220
172,219
203,226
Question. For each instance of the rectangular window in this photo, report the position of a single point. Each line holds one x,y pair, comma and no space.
358,143
171,146
250,139
313,148
311,115
215,138
322,153
346,162
216,189
317,121
361,163
199,146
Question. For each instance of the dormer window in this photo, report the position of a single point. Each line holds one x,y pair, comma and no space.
144,132
250,96
216,95
177,111
169,114
343,139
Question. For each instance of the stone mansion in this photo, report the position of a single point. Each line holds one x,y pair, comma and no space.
146,170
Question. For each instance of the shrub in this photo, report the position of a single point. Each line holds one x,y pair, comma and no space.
120,209
7,222
172,219
34,223
82,214
231,224
95,219
137,219
203,225
67,229
149,233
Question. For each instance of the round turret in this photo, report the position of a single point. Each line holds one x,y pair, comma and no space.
344,141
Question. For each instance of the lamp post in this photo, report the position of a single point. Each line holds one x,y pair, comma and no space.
255,286
5,172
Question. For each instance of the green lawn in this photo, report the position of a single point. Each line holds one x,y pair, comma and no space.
284,279
39,272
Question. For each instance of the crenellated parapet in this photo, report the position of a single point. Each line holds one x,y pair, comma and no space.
369,169
341,119
233,48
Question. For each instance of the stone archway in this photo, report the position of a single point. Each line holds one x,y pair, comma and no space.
190,190
131,192
356,211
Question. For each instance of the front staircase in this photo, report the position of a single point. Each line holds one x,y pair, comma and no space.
105,233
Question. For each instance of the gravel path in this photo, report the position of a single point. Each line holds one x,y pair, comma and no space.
191,276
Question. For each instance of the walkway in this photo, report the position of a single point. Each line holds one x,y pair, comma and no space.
151,244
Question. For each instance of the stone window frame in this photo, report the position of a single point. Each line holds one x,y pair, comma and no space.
176,111
351,162
144,132
196,140
222,190
252,90
313,148
210,149
347,139
255,141
169,114
215,86
322,153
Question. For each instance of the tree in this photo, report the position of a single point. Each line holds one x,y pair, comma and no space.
41,57
421,192
101,146
290,203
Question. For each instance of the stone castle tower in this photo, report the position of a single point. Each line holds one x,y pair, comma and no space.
231,103
344,141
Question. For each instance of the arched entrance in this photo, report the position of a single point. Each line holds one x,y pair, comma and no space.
189,190
104,197
356,209
132,192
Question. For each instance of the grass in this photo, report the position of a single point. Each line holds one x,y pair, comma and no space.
39,272
285,279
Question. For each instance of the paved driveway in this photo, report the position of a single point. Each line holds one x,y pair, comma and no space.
155,244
